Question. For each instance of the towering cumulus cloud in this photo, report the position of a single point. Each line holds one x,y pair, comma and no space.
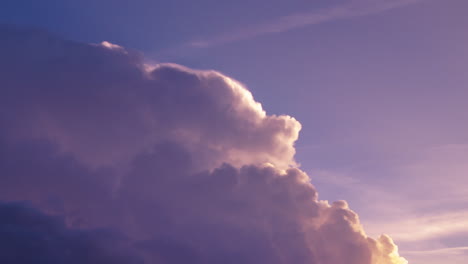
118,161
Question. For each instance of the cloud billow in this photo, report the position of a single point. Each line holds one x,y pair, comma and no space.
184,164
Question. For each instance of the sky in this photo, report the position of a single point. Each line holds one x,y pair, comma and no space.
366,99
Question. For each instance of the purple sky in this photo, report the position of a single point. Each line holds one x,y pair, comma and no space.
378,87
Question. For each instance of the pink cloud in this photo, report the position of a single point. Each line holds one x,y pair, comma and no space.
185,163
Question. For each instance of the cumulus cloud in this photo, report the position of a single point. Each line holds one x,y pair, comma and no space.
77,99
184,163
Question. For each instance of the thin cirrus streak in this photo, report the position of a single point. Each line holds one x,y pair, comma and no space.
454,250
453,255
427,227
350,9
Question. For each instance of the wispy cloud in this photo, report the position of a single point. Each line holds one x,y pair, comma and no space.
347,10
352,8
452,255
422,204
454,250
432,226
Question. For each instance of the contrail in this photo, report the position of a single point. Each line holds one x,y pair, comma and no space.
351,9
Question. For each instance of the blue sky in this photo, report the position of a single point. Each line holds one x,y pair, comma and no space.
380,88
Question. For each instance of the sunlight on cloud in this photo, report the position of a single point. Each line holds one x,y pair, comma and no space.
183,163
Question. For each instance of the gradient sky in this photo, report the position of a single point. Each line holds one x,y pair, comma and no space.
380,88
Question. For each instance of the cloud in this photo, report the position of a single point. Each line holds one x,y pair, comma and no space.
420,228
184,163
74,98
27,236
456,255
423,225
454,251
349,9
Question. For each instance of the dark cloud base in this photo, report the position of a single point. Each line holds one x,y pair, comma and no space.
124,162
29,236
